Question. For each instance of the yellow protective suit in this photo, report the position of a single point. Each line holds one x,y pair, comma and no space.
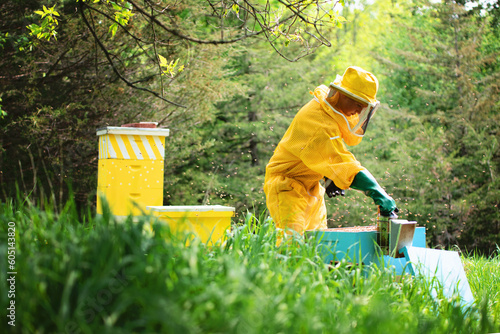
312,147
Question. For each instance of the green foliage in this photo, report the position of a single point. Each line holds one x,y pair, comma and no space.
2,112
47,29
3,39
122,16
96,276
439,68
484,280
61,92
169,68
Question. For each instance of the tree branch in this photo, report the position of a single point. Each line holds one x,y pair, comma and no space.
188,38
110,61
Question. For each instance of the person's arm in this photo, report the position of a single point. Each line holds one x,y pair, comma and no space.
365,182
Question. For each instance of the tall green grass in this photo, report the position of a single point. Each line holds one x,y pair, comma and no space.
483,274
99,276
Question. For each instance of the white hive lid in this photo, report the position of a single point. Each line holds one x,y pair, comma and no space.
190,208
118,130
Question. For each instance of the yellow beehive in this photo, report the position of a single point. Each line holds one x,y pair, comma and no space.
207,222
130,171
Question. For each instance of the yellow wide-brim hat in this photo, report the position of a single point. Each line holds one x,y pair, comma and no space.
358,84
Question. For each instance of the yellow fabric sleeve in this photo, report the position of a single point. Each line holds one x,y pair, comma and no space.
326,154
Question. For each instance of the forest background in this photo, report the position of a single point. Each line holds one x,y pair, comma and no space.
227,77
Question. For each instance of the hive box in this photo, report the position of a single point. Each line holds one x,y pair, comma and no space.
207,222
130,169
359,245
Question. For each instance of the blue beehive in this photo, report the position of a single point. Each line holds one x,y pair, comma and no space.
360,245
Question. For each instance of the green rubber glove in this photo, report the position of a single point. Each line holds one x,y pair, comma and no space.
365,182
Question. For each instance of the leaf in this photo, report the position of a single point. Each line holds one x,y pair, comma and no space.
116,7
113,28
236,8
163,61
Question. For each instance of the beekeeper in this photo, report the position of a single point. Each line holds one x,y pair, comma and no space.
314,148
